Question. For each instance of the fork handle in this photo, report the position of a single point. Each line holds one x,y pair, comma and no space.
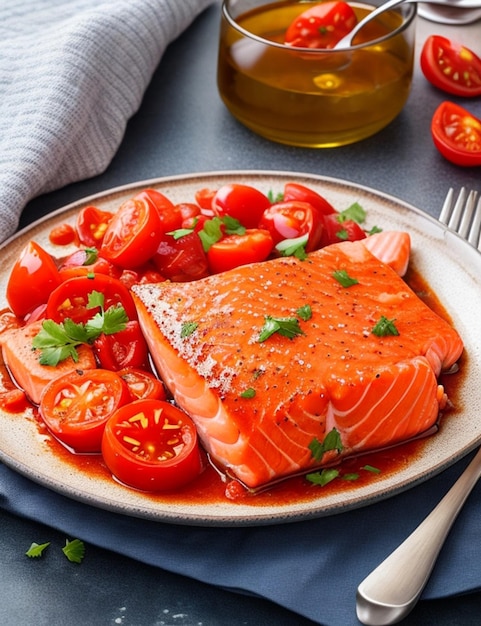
398,581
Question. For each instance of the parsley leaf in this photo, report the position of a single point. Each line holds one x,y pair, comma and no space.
305,312
294,247
248,393
332,441
285,326
59,341
36,549
355,213
188,329
324,477
344,279
213,232
74,550
370,468
275,197
182,232
384,327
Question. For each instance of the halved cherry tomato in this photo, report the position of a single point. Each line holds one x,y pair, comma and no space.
181,260
295,191
76,406
126,348
243,202
204,198
321,26
33,276
142,384
151,445
450,66
133,234
170,215
62,235
457,134
235,250
337,229
86,261
291,219
91,225
70,298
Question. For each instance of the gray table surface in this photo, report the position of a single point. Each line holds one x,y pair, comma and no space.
183,127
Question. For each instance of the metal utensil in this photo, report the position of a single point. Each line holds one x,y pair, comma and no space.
346,41
392,590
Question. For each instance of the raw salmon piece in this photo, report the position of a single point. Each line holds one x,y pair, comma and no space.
22,361
392,248
259,405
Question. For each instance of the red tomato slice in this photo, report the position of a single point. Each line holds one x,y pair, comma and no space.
295,191
234,250
457,134
33,276
133,234
242,202
127,348
76,406
321,26
181,260
142,384
336,229
204,198
151,445
291,219
91,225
70,298
450,66
170,215
62,235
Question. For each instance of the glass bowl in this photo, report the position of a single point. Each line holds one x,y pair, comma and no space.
308,97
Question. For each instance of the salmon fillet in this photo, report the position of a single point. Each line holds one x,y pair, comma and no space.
258,405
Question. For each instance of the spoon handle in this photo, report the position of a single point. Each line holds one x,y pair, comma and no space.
391,591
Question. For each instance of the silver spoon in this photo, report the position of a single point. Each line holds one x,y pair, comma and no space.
346,41
392,590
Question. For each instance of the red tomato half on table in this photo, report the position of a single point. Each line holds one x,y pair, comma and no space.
151,445
133,234
234,250
242,202
321,26
451,67
457,134
70,298
292,219
76,406
32,278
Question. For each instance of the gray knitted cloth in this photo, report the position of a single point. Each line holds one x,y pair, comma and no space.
72,72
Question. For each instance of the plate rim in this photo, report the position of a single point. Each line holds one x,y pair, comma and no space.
262,515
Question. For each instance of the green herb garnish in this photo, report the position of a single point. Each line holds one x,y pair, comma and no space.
323,477
213,232
248,393
384,327
370,468
355,212
188,329
74,550
294,247
59,341
285,326
332,441
344,279
36,549
305,312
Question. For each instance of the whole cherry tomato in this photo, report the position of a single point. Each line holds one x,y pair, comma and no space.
33,276
151,445
295,191
181,260
337,229
450,66
91,225
133,234
126,348
70,298
457,134
234,250
242,202
76,406
321,26
292,219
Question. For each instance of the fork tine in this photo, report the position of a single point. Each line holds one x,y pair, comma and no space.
447,206
474,234
465,225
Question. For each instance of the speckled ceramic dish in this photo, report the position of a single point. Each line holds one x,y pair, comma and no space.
451,267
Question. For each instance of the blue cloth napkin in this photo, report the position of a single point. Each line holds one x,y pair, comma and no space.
72,72
311,567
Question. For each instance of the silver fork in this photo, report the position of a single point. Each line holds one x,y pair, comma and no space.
463,215
392,590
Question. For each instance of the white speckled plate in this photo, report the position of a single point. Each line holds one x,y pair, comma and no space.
451,267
